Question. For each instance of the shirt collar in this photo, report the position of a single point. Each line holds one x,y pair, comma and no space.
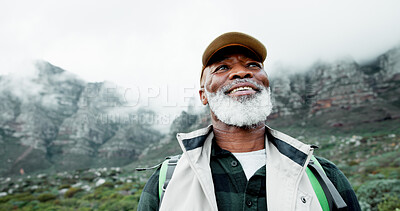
217,151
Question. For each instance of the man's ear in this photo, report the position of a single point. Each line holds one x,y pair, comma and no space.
203,96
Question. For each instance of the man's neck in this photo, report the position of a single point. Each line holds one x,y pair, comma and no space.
235,139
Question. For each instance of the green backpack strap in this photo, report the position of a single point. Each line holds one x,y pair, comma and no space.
327,194
166,171
162,177
323,201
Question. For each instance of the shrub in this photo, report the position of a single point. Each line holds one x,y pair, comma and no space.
115,196
71,192
108,184
16,197
63,186
4,199
88,176
27,198
46,197
118,205
69,203
87,205
6,207
105,194
373,192
126,186
389,204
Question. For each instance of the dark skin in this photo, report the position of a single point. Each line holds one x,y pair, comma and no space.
224,72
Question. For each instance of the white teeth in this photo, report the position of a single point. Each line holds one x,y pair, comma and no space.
241,89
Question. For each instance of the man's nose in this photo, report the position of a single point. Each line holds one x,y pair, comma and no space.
239,72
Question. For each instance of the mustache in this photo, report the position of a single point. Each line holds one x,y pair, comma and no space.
227,87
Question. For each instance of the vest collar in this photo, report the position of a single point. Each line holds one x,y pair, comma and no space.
286,145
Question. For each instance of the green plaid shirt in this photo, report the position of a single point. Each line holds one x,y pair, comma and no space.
234,192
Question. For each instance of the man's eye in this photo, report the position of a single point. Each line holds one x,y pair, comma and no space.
254,65
221,68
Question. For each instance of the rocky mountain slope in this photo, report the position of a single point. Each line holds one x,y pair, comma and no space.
54,120
341,94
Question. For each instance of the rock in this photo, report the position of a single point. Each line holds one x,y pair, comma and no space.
77,185
41,176
100,182
86,188
62,191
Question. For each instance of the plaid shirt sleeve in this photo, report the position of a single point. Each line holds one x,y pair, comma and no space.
341,183
149,199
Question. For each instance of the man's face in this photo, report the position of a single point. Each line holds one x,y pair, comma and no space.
237,89
231,67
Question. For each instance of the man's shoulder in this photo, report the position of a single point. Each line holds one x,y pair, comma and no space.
331,170
329,167
326,164
341,183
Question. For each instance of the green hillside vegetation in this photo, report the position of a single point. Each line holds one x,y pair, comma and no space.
92,189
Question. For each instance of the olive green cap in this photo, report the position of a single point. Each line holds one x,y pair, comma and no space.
233,39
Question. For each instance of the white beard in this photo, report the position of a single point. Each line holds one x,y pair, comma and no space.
242,111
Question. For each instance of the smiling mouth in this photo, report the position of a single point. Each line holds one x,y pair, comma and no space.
244,88
241,87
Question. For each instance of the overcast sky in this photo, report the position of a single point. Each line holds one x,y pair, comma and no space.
160,43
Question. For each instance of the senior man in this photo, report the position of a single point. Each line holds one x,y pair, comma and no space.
239,163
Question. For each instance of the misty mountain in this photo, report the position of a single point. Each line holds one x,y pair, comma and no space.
340,94
54,120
